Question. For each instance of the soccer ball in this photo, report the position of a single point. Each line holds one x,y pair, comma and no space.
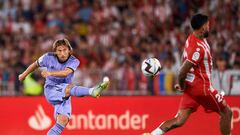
150,67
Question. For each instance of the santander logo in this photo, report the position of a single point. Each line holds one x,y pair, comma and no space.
39,121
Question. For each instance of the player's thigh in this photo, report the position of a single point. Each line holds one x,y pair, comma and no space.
188,102
55,93
213,101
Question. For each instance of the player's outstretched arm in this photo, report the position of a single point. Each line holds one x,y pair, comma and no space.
30,69
59,73
185,68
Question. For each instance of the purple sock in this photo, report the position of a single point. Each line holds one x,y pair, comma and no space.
79,91
56,129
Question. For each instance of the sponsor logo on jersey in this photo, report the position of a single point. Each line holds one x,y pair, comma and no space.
195,56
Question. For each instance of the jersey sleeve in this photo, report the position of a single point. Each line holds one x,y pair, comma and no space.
42,61
195,53
73,64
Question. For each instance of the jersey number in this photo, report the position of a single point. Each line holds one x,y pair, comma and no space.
219,97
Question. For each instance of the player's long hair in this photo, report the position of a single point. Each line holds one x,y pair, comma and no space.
64,42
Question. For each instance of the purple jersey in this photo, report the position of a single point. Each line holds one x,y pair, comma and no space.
50,61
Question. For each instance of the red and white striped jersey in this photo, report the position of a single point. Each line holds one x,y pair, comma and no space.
197,51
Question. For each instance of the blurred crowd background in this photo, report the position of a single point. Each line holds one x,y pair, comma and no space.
112,37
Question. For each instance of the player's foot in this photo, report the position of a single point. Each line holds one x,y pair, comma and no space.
146,134
97,90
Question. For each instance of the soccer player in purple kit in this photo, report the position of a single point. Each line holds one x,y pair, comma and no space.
58,89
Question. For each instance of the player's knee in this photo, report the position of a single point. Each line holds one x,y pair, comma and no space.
63,120
67,90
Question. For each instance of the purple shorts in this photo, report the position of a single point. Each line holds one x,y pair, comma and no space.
55,95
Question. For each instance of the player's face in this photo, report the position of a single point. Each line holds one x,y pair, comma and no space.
62,52
205,30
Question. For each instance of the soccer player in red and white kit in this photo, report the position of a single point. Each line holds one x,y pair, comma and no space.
194,81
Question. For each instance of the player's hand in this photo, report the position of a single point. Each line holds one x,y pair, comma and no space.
21,77
178,87
45,73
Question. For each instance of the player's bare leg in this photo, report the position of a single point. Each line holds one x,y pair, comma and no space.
225,121
177,121
62,119
67,90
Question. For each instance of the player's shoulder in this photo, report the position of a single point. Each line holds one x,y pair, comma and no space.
73,58
193,42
